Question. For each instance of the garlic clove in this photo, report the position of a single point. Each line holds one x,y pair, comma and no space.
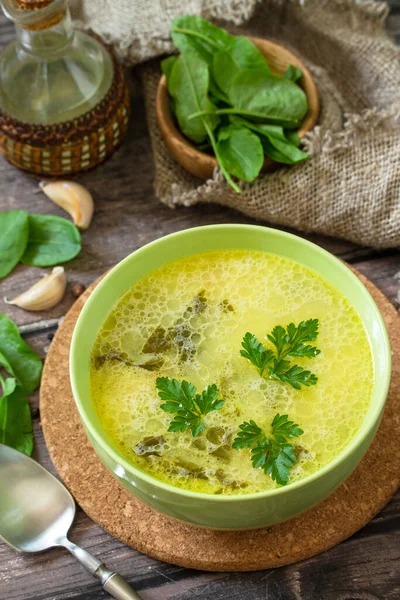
73,198
44,294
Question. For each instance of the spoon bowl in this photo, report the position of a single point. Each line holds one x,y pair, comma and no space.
36,513
36,510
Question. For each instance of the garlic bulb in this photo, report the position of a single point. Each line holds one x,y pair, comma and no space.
44,294
73,198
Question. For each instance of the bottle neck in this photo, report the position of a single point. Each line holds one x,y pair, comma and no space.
47,41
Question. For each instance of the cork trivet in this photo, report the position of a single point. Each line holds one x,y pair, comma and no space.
348,509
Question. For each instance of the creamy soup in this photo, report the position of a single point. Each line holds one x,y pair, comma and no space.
186,320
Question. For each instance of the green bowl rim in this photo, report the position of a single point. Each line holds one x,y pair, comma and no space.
356,441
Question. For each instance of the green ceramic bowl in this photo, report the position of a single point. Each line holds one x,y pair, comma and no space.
235,511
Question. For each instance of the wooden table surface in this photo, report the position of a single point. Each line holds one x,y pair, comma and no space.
128,215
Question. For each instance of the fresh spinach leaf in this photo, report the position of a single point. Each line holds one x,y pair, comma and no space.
13,239
240,54
258,97
275,141
188,85
15,417
293,73
241,152
283,152
52,240
293,138
217,95
270,98
219,74
193,33
17,357
267,130
178,335
204,146
167,64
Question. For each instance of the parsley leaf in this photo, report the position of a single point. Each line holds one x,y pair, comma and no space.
288,342
278,461
283,429
278,338
296,376
249,435
207,401
178,395
187,419
271,454
255,352
189,408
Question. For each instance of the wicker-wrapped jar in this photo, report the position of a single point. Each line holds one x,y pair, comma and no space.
64,100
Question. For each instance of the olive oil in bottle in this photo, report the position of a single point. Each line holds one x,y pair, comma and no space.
52,75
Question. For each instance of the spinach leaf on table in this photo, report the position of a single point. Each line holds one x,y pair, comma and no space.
15,417
52,240
193,33
239,54
17,357
13,239
269,98
293,73
241,152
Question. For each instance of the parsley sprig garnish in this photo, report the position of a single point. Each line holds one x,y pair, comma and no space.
189,407
288,343
271,453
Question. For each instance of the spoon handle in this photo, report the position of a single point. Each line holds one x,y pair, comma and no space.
116,585
113,583
119,588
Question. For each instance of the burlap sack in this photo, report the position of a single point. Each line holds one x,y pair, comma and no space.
350,187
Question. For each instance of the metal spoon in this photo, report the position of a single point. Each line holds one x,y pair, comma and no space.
36,512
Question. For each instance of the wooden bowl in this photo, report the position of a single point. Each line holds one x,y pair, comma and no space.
201,164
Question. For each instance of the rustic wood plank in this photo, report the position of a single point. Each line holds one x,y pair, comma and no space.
365,567
385,273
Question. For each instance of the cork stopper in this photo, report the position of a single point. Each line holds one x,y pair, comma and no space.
32,4
37,15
